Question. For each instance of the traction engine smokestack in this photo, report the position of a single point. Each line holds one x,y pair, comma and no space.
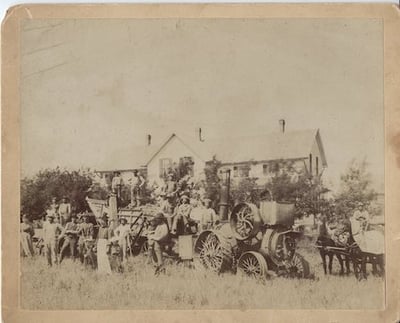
282,124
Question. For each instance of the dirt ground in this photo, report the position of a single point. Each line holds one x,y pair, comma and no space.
71,286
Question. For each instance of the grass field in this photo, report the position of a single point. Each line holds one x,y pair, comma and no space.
71,286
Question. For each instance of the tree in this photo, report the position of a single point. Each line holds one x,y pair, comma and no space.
37,191
212,182
246,190
355,187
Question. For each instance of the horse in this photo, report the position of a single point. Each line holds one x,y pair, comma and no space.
326,247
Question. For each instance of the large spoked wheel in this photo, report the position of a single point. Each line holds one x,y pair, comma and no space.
253,264
298,267
245,221
211,254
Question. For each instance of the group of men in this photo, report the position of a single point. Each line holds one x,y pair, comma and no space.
136,183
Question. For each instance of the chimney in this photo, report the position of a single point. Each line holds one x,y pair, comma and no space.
148,140
282,125
198,130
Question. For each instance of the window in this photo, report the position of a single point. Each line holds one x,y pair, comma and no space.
241,171
316,166
244,171
165,166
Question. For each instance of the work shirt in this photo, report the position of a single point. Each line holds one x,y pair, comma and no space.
196,214
64,210
209,215
137,181
184,210
51,231
160,233
122,231
86,230
71,229
116,181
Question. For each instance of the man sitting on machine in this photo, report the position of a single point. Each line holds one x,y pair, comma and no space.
155,240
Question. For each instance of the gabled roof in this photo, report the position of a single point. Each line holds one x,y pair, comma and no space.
272,146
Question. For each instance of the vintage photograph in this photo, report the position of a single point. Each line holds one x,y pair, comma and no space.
202,164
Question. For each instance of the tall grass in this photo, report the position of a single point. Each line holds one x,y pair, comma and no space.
71,286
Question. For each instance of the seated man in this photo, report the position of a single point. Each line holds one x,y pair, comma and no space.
156,238
70,235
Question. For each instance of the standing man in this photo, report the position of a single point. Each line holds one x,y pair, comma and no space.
86,232
53,209
155,238
182,213
26,234
209,217
65,211
137,182
70,235
122,234
116,184
51,230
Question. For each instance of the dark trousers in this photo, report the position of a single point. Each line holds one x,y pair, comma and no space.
71,243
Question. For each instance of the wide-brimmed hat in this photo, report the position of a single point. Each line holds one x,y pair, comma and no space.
51,215
184,197
25,217
159,216
123,219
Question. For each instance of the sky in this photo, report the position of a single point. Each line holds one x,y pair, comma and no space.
92,89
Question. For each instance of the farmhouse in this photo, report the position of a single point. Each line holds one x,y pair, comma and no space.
251,156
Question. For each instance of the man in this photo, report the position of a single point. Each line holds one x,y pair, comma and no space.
122,234
64,211
170,187
209,217
86,232
137,182
26,234
155,239
70,235
116,184
182,213
362,215
51,231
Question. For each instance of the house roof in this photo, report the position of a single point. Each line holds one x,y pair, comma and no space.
272,146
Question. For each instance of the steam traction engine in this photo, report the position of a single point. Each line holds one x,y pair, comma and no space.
255,241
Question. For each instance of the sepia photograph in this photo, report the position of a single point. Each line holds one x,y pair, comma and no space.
202,164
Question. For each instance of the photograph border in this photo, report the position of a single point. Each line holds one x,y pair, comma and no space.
11,154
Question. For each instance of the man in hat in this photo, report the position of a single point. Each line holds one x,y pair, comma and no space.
182,213
51,231
64,210
122,234
70,235
137,182
156,238
26,234
86,232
